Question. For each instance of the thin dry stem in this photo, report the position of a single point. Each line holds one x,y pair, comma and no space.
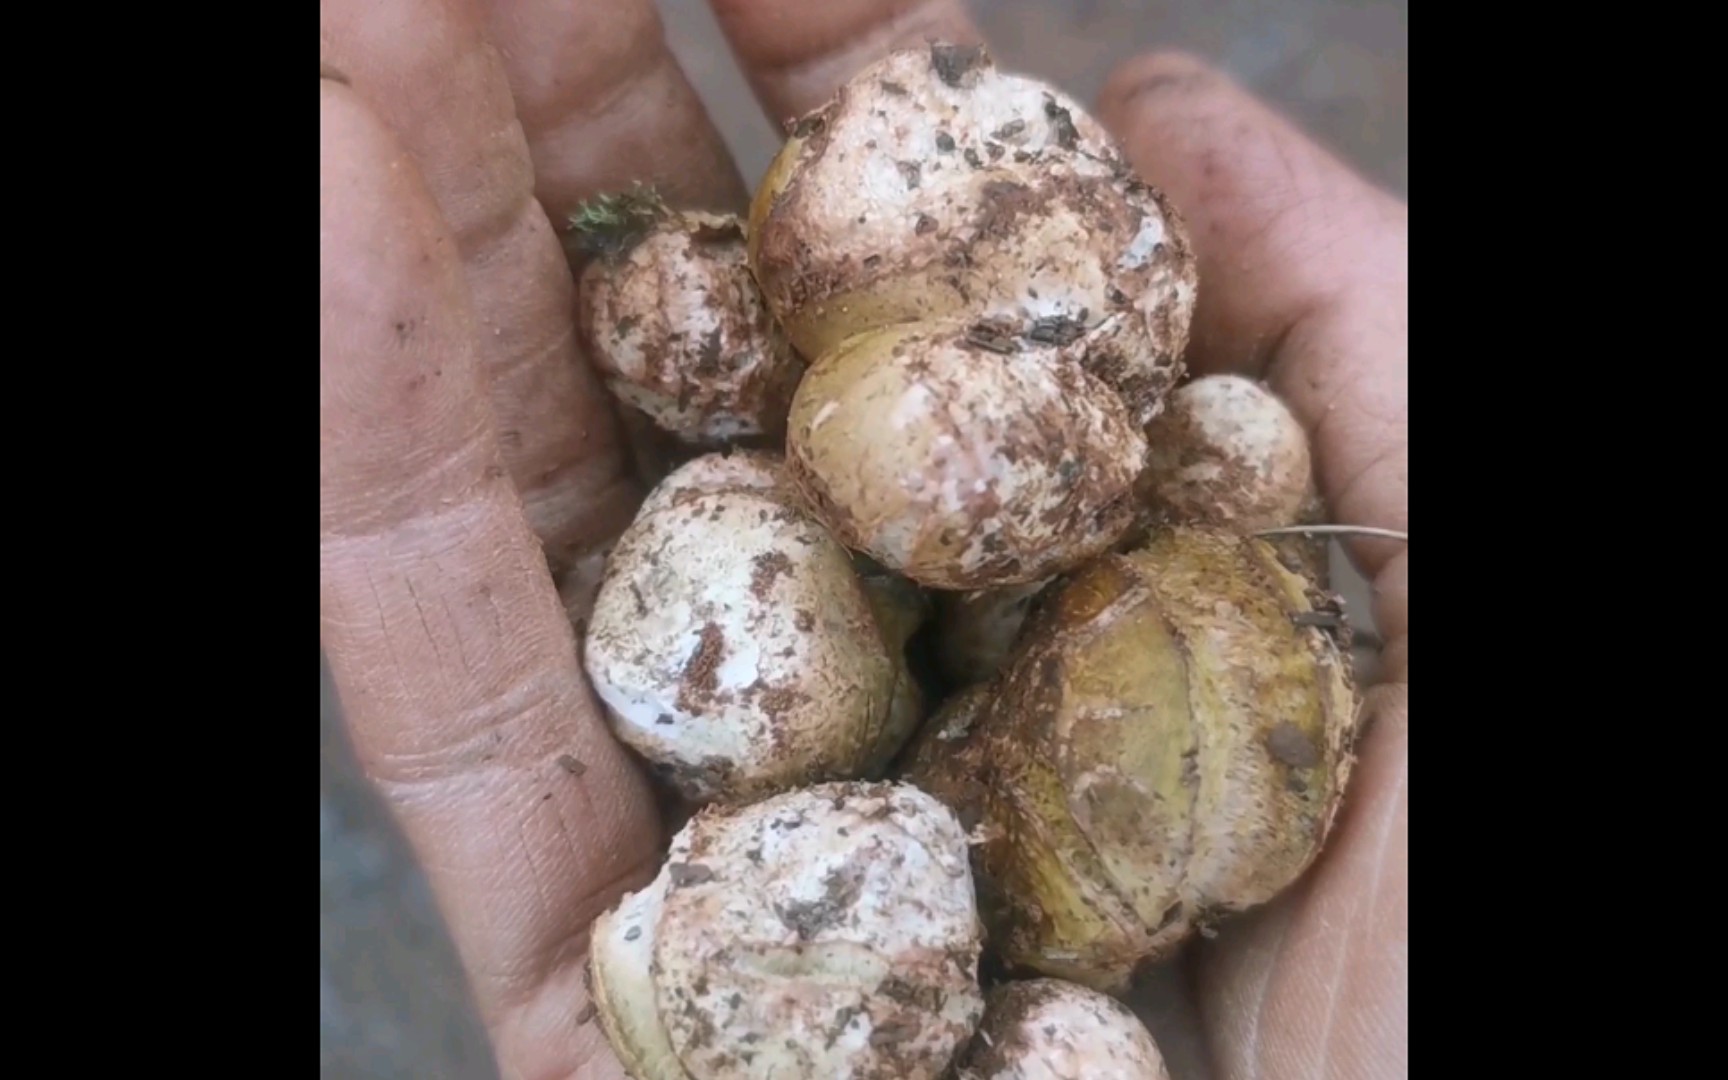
1337,530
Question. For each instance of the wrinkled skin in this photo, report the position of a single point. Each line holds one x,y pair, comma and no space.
447,640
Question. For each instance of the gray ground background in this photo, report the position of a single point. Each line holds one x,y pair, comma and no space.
390,998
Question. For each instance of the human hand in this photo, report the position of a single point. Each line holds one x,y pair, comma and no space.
464,446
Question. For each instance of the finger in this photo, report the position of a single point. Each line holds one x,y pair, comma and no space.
604,104
1304,276
456,667
424,67
796,53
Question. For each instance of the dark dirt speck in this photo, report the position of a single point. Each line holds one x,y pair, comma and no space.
1063,121
1288,744
682,874
843,1018
808,918
806,126
1057,330
893,1031
991,339
952,62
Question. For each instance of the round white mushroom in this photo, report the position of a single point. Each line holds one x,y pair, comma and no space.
1226,452
826,932
1046,1029
962,461
735,646
676,327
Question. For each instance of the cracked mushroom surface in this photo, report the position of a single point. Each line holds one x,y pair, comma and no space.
825,932
734,644
992,216
675,325
1046,1029
1169,745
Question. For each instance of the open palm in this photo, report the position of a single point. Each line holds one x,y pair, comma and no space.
465,447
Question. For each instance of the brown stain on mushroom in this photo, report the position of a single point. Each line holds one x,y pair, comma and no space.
701,673
768,566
